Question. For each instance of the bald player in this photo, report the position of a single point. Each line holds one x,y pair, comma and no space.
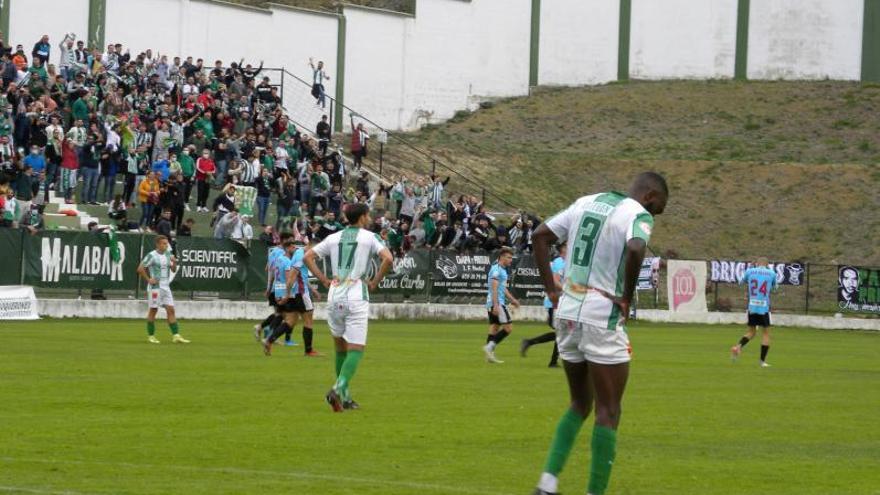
607,234
760,280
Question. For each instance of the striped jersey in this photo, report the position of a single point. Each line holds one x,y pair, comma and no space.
280,265
301,285
497,272
274,252
557,267
597,228
759,281
158,265
350,252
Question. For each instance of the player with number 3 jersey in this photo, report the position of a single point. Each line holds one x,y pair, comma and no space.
607,236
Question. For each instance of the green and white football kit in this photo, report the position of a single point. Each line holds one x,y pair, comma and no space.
158,265
348,300
589,326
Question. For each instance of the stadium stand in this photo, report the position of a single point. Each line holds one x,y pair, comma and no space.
144,139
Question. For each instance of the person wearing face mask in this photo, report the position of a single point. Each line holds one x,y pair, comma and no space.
205,170
188,169
35,160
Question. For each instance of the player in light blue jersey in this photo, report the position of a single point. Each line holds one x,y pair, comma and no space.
304,292
279,275
500,325
760,280
557,266
264,328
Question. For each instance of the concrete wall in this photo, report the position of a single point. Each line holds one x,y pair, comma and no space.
578,42
237,310
805,39
29,20
682,39
403,71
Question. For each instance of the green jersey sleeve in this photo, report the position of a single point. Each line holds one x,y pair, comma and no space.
642,227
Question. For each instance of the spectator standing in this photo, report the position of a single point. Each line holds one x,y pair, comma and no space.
68,56
205,170
24,187
324,134
264,194
318,78
318,186
41,50
148,196
69,169
359,139
90,155
188,169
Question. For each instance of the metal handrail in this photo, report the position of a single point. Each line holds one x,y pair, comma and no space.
427,154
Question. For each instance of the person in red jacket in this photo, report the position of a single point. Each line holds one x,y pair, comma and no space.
205,170
69,168
359,138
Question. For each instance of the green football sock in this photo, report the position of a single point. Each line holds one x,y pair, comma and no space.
340,358
174,328
151,328
566,431
349,367
604,446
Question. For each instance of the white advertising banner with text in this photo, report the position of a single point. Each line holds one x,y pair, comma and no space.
18,302
686,285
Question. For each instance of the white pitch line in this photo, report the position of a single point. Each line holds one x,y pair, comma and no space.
257,472
40,491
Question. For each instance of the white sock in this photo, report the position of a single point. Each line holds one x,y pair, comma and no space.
491,346
548,483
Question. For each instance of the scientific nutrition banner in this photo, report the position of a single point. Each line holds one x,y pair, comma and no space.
858,289
205,264
81,260
732,272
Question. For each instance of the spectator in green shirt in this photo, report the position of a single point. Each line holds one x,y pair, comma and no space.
188,168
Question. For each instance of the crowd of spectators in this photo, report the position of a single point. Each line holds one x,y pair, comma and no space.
171,130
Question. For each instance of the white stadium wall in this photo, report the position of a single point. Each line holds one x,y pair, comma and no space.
805,39
402,71
298,35
374,65
52,17
683,39
578,43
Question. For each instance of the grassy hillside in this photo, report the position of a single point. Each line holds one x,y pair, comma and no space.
785,169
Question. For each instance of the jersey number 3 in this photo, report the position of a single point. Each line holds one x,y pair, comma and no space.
586,238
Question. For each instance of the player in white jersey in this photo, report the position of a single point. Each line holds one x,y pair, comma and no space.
348,299
156,269
607,236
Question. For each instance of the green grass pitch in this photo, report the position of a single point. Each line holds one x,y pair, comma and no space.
88,407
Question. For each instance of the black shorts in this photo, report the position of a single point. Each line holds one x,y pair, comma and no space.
550,318
293,305
503,318
756,320
272,301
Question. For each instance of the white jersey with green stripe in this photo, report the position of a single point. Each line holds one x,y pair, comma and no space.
158,265
350,252
597,228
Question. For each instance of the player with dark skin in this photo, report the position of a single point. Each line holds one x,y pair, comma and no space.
588,382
